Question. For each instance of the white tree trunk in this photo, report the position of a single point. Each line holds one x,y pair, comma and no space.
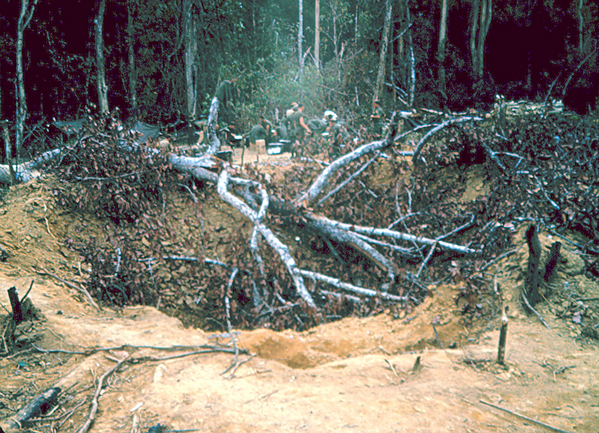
412,62
580,27
441,48
190,55
317,35
131,54
300,37
24,20
485,16
356,25
383,50
100,62
482,13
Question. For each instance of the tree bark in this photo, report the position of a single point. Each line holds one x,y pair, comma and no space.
533,273
100,61
580,27
356,24
190,55
24,20
383,50
300,37
473,32
131,54
441,50
39,405
412,62
482,13
317,35
486,16
333,6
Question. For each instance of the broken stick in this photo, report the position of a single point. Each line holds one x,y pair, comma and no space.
38,405
502,337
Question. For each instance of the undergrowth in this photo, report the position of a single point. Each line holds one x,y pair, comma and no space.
160,250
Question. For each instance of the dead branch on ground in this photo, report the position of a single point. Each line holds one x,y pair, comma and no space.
94,407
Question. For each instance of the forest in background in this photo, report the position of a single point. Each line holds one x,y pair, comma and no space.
161,61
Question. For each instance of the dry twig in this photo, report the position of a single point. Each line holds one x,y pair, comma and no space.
534,311
94,408
72,286
525,417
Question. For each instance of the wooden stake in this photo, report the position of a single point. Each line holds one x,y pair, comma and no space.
502,337
17,315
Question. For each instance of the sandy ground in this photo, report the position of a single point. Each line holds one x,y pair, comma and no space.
355,375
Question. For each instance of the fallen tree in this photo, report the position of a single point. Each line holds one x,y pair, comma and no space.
359,249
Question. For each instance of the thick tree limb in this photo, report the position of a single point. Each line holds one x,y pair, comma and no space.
323,179
40,404
268,235
350,238
350,287
197,167
328,172
439,127
212,124
373,231
348,180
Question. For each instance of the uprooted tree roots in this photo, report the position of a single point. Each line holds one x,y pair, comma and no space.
370,230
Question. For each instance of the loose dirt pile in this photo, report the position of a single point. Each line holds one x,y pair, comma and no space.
358,375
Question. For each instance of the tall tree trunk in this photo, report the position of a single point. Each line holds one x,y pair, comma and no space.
188,37
356,25
335,41
580,27
383,50
24,20
317,35
441,50
485,16
482,13
412,61
1,112
300,37
100,62
131,55
473,34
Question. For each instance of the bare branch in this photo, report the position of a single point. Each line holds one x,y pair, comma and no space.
373,231
347,237
350,287
322,180
94,408
439,127
268,235
348,180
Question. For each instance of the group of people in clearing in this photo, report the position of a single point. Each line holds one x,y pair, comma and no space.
295,126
